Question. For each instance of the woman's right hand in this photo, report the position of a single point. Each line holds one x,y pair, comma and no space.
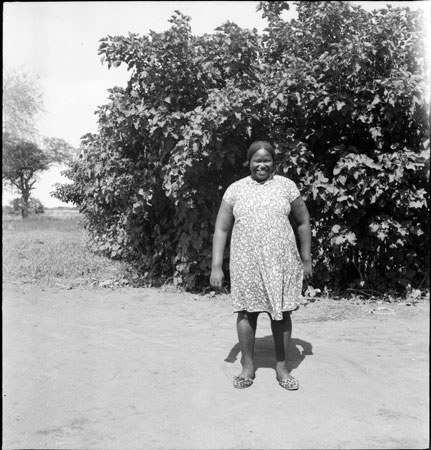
217,278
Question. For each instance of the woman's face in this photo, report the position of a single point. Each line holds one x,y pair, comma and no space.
261,165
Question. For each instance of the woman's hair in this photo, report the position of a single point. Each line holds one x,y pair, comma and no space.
258,145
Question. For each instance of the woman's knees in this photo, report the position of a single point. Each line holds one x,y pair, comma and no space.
287,315
247,315
285,321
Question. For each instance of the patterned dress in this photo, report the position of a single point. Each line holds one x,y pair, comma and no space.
265,267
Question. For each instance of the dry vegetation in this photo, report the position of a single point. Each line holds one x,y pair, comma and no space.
50,249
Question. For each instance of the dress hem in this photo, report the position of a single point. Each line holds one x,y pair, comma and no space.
237,310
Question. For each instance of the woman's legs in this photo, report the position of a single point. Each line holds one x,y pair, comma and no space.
282,332
246,328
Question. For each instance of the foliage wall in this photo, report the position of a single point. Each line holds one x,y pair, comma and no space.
340,91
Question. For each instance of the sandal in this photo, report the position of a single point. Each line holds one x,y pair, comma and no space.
242,382
290,384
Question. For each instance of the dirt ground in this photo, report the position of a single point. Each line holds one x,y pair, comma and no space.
149,369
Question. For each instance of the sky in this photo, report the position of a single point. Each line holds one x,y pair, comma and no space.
58,41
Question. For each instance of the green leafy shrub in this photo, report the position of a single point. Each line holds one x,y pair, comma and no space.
341,93
16,205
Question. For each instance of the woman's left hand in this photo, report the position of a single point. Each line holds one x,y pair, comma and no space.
308,270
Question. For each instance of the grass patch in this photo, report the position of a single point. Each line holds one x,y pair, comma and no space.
50,250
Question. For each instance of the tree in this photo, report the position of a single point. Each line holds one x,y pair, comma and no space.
21,162
22,102
23,159
59,150
341,93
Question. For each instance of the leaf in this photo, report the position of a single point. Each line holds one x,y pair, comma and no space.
323,55
376,100
336,228
339,240
418,204
375,132
370,163
351,237
382,235
374,227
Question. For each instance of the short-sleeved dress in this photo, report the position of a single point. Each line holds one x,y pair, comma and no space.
265,267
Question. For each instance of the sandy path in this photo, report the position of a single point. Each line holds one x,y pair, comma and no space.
144,369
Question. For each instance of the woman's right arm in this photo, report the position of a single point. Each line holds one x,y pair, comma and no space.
223,225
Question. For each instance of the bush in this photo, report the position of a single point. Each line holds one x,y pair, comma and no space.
15,206
341,94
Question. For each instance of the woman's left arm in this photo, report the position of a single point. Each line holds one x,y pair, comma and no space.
302,218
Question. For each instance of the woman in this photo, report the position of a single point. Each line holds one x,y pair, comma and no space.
266,269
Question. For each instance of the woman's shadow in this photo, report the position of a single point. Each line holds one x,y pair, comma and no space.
264,356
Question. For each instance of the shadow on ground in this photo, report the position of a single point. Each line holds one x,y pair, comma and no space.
264,353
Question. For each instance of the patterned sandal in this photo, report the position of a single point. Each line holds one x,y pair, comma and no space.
242,382
290,384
